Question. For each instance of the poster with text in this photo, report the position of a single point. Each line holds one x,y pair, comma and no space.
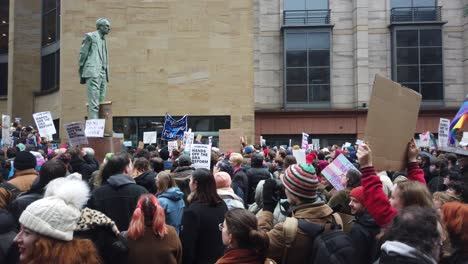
201,156
76,133
444,125
6,119
336,170
171,145
95,127
305,141
44,123
150,137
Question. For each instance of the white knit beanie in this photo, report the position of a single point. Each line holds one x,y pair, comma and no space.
57,213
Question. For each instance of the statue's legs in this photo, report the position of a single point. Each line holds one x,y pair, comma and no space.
96,91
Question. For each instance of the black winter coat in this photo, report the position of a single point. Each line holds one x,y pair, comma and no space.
200,235
85,166
254,176
8,250
18,205
240,185
117,198
363,233
146,180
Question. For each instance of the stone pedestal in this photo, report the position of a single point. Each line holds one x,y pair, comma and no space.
105,112
103,145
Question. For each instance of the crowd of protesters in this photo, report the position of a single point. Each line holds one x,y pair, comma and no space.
257,205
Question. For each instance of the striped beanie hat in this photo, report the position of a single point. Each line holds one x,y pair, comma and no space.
301,180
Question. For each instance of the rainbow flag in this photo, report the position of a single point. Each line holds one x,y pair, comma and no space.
458,121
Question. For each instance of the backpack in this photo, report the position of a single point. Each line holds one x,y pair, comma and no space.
330,244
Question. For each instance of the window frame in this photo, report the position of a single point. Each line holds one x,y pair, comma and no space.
57,9
308,104
394,59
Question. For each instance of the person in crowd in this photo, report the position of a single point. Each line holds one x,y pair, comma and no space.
171,199
144,175
256,173
441,198
424,163
157,164
240,181
244,242
51,170
278,164
455,219
223,165
452,162
200,235
8,170
164,154
340,201
411,192
439,171
118,194
141,153
47,226
8,250
288,161
25,175
182,174
457,189
224,190
412,237
300,182
451,176
364,230
83,162
150,239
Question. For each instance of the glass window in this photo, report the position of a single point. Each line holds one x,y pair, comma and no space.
3,79
413,3
305,4
50,75
418,57
50,21
308,69
4,20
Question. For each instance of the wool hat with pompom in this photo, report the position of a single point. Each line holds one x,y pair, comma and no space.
301,181
57,214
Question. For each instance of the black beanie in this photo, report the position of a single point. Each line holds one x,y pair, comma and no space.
24,160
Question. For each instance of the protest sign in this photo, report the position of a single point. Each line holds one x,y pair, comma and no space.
424,139
127,143
76,133
174,129
300,155
347,145
118,135
305,141
95,127
337,169
171,145
200,155
44,123
464,140
188,140
229,139
444,132
6,123
316,143
391,106
359,142
18,120
150,137
210,140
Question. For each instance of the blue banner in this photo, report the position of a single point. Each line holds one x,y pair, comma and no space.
174,129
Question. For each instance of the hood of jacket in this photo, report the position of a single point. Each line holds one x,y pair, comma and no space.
173,194
7,222
120,180
318,209
366,220
395,248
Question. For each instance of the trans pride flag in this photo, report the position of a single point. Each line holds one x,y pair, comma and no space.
458,121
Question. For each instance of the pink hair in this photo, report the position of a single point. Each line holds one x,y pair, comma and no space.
147,207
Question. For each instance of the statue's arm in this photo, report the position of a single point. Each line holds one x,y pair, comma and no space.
85,46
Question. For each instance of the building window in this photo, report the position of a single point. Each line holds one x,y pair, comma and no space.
413,3
306,12
50,21
307,66
3,79
305,4
417,61
50,71
4,19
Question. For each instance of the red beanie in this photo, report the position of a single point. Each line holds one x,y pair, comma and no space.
358,193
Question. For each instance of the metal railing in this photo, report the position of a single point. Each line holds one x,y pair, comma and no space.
306,17
416,14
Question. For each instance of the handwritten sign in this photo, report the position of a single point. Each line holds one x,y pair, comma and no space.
339,167
305,141
44,123
150,137
201,156
444,125
95,127
6,119
76,133
188,140
171,145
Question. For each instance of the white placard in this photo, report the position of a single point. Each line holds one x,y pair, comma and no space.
300,155
95,127
171,145
347,144
44,123
188,140
76,133
127,143
316,143
200,155
210,140
444,126
6,119
118,135
464,140
150,137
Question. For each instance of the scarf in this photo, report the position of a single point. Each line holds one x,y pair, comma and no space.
240,256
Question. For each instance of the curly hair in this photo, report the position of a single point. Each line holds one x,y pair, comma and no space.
415,226
50,250
455,217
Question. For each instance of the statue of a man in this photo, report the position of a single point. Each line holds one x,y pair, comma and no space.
94,66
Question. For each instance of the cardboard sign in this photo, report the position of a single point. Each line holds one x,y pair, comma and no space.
44,123
305,141
171,145
229,140
76,133
6,120
150,137
444,125
336,170
391,107
201,156
300,155
95,127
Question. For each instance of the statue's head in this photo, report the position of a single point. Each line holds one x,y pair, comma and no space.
103,25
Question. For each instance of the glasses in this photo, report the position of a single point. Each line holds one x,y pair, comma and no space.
221,226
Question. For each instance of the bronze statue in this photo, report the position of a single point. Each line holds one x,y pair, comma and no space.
94,66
